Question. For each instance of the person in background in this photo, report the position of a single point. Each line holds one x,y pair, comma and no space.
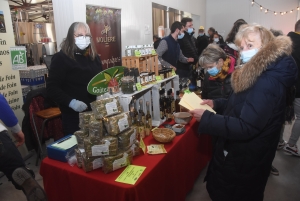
70,72
291,147
156,41
168,50
188,48
218,75
248,123
218,39
211,31
229,47
202,40
11,161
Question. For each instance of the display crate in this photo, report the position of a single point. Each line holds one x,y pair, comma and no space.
144,63
33,75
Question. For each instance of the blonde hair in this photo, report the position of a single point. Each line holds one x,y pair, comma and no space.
265,35
211,54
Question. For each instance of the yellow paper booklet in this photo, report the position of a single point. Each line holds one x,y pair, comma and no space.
191,102
156,149
131,174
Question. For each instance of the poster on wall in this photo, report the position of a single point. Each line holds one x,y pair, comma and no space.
105,25
2,23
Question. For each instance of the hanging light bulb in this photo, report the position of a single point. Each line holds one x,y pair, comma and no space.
281,13
266,11
252,2
297,8
291,11
275,13
261,7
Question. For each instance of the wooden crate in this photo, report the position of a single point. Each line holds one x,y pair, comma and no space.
143,63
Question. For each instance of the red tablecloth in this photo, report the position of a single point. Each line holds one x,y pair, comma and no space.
166,177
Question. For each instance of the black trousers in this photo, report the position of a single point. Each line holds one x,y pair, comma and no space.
70,123
10,157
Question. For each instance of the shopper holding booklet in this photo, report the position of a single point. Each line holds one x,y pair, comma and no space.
248,123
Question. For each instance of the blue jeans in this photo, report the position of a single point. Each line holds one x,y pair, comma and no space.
10,157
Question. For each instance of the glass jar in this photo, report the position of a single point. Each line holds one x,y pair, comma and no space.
128,85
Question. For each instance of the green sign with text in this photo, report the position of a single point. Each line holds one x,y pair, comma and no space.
99,84
18,58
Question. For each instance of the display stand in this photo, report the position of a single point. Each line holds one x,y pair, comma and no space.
143,63
150,93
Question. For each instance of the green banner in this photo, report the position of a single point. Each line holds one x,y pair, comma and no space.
18,58
99,84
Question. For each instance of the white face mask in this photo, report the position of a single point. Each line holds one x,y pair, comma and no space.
82,42
248,54
216,40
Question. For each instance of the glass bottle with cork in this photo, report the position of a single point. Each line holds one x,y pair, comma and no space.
161,104
168,106
148,119
177,106
141,127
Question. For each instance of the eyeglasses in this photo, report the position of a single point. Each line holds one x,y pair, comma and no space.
86,36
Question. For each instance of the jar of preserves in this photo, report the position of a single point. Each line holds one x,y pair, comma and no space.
128,85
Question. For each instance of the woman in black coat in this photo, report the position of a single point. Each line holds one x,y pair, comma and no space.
248,123
70,72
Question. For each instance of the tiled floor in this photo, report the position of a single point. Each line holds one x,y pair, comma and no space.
279,188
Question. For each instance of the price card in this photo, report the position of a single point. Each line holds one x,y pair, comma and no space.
173,72
138,86
158,78
131,174
142,145
137,53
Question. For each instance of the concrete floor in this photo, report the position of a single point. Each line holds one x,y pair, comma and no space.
279,188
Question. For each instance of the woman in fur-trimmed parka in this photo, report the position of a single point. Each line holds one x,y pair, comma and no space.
248,123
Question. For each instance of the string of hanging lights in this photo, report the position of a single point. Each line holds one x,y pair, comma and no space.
272,11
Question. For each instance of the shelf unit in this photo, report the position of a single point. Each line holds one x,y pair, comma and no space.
150,93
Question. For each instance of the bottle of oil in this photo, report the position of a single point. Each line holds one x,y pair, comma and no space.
172,100
177,106
148,119
141,128
162,104
168,106
141,112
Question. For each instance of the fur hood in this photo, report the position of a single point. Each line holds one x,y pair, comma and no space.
244,77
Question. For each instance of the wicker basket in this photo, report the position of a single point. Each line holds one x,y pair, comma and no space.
163,135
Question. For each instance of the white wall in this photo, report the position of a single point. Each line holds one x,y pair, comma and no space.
135,14
222,14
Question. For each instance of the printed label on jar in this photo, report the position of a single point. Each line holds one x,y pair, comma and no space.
134,87
150,78
119,163
128,52
97,163
111,108
123,123
146,79
101,150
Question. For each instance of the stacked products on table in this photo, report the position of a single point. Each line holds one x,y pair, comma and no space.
25,91
106,138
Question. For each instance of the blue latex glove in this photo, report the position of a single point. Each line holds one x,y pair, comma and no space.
77,105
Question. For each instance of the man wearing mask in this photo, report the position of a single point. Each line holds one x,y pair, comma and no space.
202,40
188,48
168,50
